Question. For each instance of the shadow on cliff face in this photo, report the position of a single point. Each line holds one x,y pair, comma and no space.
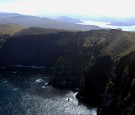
93,84
32,50
119,96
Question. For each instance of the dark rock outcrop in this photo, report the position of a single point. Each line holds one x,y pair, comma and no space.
33,50
93,84
119,96
79,56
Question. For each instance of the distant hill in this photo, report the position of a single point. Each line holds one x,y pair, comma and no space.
68,19
33,21
15,29
5,15
10,28
38,31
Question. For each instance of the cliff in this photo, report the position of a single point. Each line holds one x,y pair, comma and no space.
32,50
120,89
84,61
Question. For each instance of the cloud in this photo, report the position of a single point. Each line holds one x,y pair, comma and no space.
114,8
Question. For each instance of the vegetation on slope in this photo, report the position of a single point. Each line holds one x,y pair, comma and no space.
10,28
38,31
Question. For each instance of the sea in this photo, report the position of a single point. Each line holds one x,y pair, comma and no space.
107,25
30,95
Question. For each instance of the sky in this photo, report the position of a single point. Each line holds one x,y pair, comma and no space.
112,8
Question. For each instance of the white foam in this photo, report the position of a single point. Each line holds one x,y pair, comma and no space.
46,84
69,99
75,94
43,87
94,112
38,81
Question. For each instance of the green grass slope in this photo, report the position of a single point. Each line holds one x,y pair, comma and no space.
10,28
38,31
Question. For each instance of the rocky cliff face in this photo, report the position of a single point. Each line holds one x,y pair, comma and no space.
120,89
89,58
94,81
81,52
33,50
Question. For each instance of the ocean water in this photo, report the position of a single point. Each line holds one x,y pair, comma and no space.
106,25
29,95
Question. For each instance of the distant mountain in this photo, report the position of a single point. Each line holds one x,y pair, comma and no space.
10,28
5,15
38,31
68,19
33,21
15,29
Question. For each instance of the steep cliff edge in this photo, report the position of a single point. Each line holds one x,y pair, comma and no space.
119,96
33,50
84,49
94,81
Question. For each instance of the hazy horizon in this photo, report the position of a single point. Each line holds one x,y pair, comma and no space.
82,8
117,13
